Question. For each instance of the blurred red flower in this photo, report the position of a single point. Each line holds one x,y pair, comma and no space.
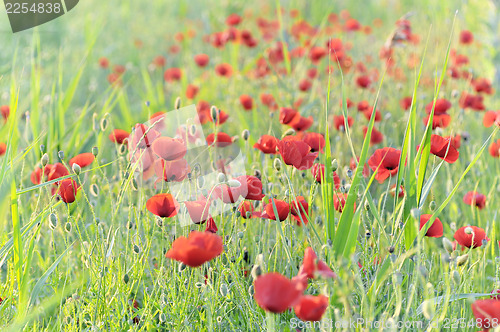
267,144
470,236
436,230
163,205
387,162
311,308
196,249
276,293
475,198
67,190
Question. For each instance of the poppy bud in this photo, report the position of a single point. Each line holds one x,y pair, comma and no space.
289,132
147,103
61,155
52,221
245,134
181,267
447,245
163,318
251,290
67,227
234,183
461,260
277,164
468,230
137,249
130,225
349,173
456,277
223,290
45,159
335,165
122,149
42,148
76,169
126,278
367,206
214,113
391,249
95,151
198,284
256,271
240,235
104,123
432,205
221,177
177,103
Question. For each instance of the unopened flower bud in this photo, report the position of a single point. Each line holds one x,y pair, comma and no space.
277,164
177,103
221,177
461,260
223,290
234,183
95,151
432,205
335,165
447,245
245,134
45,159
214,113
76,169
52,221
60,154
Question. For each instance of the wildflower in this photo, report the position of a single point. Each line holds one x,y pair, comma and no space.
196,249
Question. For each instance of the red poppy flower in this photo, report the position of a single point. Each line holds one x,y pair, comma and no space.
466,37
353,165
491,118
482,85
317,53
171,171
312,73
251,187
443,148
296,153
143,136
227,194
405,103
349,103
56,171
268,100
267,144
363,81
305,85
172,74
436,230
169,149
276,293
315,140
352,25
5,111
198,210
221,140
247,210
201,59
339,123
300,123
103,62
211,226
439,120
67,190
494,149
387,162
442,106
312,267
339,201
475,198
486,312
224,70
119,136
233,19
82,160
401,192
474,102
300,210
282,207
318,171
376,136
163,205
287,114
247,102
192,91
470,236
456,140
196,249
3,148
368,115
311,308
159,61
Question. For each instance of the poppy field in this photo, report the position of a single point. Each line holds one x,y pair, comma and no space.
237,166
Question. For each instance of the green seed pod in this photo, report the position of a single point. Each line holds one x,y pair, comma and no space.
95,151
214,113
45,159
432,205
177,103
447,245
122,149
461,260
245,134
76,169
221,177
60,154
126,278
335,165
198,284
137,249
52,221
163,318
67,227
240,235
181,267
104,123
277,164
